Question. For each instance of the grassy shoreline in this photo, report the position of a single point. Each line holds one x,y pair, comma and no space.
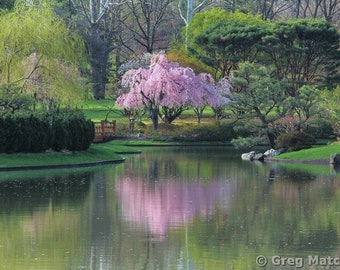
316,153
96,154
112,152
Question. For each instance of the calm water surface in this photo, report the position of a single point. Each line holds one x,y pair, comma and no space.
171,208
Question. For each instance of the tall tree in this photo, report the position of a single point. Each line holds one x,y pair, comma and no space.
97,25
271,9
258,97
44,64
186,11
328,10
148,23
304,51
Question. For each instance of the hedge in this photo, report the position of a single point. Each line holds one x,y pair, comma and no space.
295,141
32,133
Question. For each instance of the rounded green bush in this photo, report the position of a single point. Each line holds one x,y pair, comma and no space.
32,133
295,140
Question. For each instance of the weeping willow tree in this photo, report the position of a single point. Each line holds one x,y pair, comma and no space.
39,56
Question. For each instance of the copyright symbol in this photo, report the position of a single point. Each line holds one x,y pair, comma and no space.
261,261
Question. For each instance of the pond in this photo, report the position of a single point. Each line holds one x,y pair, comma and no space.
172,208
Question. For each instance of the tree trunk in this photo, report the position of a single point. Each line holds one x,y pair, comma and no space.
271,139
171,113
154,112
99,50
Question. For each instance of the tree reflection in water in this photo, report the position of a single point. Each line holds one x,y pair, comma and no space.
170,203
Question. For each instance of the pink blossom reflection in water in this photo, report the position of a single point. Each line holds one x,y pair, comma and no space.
161,206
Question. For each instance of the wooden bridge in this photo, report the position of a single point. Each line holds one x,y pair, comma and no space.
104,131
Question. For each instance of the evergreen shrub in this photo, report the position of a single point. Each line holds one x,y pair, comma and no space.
32,133
295,140
320,128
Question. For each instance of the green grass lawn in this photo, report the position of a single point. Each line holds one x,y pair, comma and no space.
314,153
97,110
97,152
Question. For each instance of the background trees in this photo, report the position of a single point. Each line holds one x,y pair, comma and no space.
96,22
148,23
130,28
302,51
186,11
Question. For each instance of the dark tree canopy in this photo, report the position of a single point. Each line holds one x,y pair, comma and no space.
304,51
229,41
300,51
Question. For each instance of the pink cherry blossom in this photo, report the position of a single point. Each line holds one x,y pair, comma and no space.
166,89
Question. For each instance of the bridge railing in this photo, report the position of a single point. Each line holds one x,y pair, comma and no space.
104,130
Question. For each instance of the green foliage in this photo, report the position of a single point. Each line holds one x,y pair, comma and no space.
224,42
12,99
219,131
39,54
24,133
179,55
6,4
71,131
248,142
203,20
295,140
303,51
32,133
330,102
257,95
305,102
319,128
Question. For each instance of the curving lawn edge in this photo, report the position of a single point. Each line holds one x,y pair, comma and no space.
97,154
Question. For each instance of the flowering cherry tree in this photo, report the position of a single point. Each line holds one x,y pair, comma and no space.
166,89
210,94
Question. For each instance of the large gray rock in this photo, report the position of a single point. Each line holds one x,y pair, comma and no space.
272,153
334,159
259,156
248,156
253,156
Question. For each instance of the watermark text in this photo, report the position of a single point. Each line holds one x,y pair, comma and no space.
297,262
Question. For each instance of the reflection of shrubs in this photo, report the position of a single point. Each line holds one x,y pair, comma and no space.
295,141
